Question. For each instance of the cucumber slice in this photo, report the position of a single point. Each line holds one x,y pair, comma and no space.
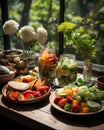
93,106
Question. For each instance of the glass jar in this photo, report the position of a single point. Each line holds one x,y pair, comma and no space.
47,63
67,69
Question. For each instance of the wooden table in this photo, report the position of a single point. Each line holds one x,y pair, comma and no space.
43,116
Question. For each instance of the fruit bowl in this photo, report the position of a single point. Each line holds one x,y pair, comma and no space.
51,99
76,100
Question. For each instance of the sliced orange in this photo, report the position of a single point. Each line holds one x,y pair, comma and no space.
69,92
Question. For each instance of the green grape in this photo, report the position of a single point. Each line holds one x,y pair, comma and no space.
88,94
78,98
92,89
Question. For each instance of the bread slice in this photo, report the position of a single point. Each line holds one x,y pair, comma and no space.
18,85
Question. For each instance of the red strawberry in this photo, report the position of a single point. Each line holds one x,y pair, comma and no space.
62,102
75,108
29,96
57,99
43,89
70,99
37,94
13,95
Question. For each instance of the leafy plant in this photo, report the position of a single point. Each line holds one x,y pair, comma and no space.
80,37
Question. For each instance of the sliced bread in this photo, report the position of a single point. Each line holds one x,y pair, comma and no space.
18,85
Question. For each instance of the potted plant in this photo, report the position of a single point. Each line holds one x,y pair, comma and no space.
84,40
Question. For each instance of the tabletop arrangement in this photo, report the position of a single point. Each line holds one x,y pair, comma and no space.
72,95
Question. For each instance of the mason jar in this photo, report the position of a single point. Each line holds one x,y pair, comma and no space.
47,63
67,69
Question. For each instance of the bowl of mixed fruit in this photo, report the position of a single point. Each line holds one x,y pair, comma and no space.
78,100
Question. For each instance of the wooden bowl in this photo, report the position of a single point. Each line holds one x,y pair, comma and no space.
11,54
7,77
100,82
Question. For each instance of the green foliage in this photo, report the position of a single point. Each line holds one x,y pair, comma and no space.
82,38
85,42
46,12
51,45
66,27
102,27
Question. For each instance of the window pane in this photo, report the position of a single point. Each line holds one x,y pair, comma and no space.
46,12
32,12
89,13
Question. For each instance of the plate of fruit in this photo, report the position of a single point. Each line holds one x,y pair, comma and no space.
26,89
78,100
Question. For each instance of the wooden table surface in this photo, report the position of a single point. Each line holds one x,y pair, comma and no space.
43,116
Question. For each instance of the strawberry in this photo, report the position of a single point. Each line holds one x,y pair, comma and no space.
13,95
29,96
70,99
27,91
37,94
43,89
57,99
75,108
62,102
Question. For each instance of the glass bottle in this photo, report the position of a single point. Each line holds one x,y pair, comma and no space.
67,69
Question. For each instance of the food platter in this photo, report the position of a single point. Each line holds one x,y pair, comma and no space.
28,101
51,99
26,89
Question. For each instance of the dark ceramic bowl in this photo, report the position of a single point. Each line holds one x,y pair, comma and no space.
100,82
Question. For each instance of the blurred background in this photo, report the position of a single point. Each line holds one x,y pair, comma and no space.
47,12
